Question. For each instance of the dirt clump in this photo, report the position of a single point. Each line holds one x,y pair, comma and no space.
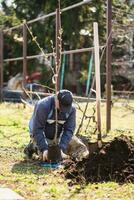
113,162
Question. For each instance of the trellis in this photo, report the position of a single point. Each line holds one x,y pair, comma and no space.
25,58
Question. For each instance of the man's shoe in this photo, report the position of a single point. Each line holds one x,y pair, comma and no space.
29,150
28,153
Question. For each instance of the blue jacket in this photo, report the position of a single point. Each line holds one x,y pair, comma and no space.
44,123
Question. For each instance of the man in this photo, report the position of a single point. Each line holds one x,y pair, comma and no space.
43,125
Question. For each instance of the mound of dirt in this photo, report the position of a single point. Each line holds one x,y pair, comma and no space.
114,162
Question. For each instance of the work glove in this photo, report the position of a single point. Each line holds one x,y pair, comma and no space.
45,155
63,155
80,154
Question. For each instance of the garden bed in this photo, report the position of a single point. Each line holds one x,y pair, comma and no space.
113,162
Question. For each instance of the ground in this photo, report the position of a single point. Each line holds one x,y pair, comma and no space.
36,183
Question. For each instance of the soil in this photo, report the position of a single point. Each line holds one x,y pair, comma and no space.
113,162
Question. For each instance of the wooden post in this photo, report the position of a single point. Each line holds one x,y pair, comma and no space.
1,65
58,45
90,64
71,61
108,66
97,75
24,54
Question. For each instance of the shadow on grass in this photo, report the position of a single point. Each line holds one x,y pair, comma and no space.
27,167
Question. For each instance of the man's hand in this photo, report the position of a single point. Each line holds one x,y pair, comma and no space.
45,155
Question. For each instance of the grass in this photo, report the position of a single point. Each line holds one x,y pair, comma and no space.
36,183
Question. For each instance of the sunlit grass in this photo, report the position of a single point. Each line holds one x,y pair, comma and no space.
36,183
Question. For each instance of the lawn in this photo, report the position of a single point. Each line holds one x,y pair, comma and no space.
36,183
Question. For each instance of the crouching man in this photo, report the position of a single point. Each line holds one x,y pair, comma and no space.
42,127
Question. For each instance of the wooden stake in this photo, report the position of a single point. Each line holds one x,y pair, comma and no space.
97,75
58,46
108,65
24,54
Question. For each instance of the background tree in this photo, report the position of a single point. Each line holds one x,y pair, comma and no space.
77,25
